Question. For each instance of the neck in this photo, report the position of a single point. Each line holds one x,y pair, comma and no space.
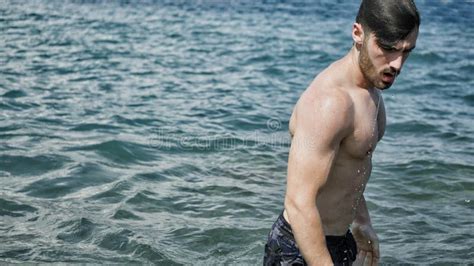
353,71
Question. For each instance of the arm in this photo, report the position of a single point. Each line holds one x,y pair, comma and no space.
362,216
320,128
362,226
365,236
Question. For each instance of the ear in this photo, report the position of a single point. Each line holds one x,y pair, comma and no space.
357,33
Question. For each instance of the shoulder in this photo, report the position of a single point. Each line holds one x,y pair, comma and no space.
324,109
323,100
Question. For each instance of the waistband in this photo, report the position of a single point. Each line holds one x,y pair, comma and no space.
285,227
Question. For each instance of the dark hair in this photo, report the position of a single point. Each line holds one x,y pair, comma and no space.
390,20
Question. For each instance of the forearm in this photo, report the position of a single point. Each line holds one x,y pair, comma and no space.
365,236
309,234
362,213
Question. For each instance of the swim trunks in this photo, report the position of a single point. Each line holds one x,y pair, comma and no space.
281,247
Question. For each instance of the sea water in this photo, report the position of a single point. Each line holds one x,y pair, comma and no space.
157,131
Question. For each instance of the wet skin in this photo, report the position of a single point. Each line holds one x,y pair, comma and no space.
335,127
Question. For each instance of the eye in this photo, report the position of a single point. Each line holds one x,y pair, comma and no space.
388,48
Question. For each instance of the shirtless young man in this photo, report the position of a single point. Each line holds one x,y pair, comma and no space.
335,127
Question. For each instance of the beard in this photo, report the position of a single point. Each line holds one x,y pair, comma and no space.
371,75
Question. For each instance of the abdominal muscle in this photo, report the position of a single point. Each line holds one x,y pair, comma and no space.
339,198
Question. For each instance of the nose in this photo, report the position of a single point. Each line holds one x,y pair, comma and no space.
396,63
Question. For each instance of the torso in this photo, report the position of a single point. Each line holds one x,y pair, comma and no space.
339,197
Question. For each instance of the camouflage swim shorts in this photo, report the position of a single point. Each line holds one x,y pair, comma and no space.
281,247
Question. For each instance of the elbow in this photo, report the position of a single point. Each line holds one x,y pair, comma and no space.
300,205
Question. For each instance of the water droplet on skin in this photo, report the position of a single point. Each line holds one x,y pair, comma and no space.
358,171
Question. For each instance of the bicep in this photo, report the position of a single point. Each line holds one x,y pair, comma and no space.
309,164
319,129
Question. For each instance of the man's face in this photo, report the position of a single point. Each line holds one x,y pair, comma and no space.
380,64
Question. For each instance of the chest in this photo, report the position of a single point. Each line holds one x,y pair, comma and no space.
368,130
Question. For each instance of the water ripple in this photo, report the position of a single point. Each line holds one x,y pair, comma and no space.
156,132
79,177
